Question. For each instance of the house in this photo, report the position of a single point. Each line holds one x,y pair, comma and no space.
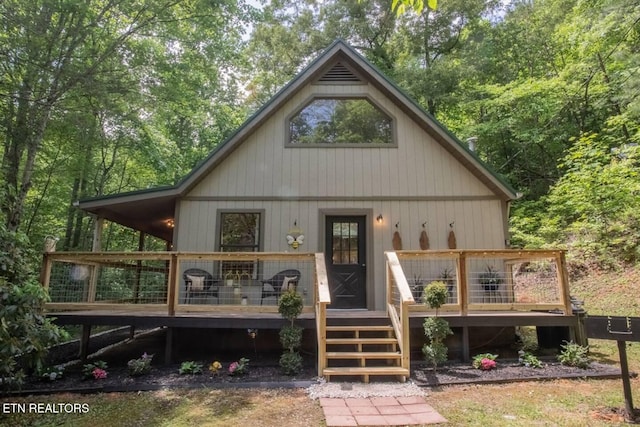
340,163
339,148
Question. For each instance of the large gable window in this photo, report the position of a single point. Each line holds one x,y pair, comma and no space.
346,121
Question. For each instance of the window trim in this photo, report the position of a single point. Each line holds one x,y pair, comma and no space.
310,99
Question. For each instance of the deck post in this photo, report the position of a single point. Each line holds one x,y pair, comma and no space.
466,352
462,281
168,346
172,284
85,336
563,280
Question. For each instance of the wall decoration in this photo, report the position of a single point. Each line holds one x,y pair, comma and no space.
452,237
295,236
424,239
397,240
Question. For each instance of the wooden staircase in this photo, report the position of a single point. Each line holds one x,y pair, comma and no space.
363,351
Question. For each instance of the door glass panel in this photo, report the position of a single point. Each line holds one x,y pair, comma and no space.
345,243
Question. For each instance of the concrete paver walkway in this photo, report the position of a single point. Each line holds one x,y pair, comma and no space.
378,411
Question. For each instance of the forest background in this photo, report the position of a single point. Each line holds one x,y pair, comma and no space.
105,96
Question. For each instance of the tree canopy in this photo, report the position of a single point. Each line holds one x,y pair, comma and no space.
102,97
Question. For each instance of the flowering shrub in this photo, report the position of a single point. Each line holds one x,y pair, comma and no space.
487,364
215,367
240,367
99,374
96,370
140,366
485,361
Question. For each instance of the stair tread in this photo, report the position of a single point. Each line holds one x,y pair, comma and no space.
370,370
362,354
368,340
383,328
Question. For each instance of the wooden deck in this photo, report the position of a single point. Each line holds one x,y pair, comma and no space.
242,320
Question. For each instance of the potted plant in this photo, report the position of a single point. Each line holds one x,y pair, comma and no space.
490,279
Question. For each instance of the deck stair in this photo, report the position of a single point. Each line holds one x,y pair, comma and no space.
363,351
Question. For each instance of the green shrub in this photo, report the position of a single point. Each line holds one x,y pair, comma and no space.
435,294
436,329
573,354
291,336
290,307
51,373
291,362
190,368
529,360
25,332
140,366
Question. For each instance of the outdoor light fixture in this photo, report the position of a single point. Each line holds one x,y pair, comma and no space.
170,223
379,219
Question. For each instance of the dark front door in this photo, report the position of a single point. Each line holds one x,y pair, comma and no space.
345,254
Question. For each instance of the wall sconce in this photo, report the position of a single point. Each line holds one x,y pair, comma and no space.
170,223
379,219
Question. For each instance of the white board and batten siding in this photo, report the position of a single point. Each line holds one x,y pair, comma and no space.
412,183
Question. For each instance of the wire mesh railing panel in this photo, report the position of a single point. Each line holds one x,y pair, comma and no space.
258,282
420,272
524,281
69,282
117,281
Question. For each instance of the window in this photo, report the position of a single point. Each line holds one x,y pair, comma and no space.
239,232
340,121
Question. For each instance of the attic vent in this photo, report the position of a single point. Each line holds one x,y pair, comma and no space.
339,73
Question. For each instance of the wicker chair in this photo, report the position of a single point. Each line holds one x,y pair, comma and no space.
273,287
199,284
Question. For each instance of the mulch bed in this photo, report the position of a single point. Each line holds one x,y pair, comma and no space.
265,372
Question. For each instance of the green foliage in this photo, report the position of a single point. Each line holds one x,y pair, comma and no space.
595,206
190,367
478,358
436,328
25,332
573,354
51,373
435,353
291,363
529,360
290,305
94,370
291,336
140,366
435,294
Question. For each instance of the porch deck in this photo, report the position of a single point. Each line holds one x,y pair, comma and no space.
486,289
243,319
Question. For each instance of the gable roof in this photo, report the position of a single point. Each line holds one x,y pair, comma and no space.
149,210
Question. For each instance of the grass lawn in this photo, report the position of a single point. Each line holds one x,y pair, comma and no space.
549,403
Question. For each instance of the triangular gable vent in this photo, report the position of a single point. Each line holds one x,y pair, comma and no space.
339,73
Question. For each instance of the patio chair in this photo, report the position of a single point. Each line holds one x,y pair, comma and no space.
199,284
280,282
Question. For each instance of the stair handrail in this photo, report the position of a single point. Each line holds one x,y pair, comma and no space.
322,299
399,298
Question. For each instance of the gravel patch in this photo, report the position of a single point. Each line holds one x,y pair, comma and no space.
361,390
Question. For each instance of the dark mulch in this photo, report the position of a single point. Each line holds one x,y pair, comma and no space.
264,371
507,371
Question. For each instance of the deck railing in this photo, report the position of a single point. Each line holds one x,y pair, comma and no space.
399,299
491,280
322,300
153,281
